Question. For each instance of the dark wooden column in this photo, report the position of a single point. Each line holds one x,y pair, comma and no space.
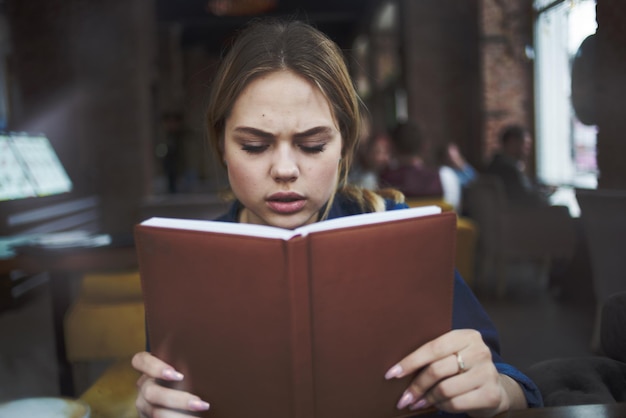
441,71
611,93
82,72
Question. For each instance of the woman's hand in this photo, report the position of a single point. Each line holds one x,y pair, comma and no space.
155,400
456,374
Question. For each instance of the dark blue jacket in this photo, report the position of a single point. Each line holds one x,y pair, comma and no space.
467,310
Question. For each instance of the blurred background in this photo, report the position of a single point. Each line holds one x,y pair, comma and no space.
117,90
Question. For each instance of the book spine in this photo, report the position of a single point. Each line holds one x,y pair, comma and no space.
302,361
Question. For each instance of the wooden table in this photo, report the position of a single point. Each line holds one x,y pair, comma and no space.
113,396
616,410
65,266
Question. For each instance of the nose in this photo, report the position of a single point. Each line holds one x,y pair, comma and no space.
284,165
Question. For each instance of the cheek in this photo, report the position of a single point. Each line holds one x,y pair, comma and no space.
325,175
241,177
237,170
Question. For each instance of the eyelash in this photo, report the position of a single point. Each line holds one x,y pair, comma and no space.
254,149
314,149
258,149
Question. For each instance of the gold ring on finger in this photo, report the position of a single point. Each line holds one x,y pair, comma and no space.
460,363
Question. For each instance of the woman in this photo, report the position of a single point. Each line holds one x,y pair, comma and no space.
283,116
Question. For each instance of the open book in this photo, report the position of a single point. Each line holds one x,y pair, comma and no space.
297,323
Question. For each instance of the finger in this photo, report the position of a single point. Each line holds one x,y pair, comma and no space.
142,380
484,399
476,361
152,395
453,387
447,393
148,364
460,363
421,391
452,342
159,412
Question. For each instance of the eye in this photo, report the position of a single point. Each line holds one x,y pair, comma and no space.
254,149
313,149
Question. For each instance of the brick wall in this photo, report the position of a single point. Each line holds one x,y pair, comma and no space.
506,30
507,75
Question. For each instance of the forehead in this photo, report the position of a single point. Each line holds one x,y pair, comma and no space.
282,88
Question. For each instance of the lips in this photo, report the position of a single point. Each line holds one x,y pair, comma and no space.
286,203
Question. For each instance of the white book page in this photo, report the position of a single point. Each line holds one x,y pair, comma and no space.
265,231
368,218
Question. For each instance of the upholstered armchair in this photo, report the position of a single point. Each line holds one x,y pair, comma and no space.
538,235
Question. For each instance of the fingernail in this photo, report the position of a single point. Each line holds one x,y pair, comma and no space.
418,405
198,405
395,371
172,374
406,399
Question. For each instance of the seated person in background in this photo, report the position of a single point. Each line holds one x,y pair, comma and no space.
283,116
510,166
451,156
411,175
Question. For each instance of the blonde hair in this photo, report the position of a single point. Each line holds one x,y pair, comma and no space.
371,201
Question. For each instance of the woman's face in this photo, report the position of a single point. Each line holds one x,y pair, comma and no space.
282,150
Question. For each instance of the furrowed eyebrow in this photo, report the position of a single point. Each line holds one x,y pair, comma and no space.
254,132
319,130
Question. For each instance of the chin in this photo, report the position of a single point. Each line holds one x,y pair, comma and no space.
289,222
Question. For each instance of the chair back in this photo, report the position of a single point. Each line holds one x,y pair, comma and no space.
515,233
415,202
603,216
484,200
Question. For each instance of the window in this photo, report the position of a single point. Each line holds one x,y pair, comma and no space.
565,146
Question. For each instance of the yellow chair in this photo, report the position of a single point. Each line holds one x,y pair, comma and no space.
466,237
106,322
113,394
429,201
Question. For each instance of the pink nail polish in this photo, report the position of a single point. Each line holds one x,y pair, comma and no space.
418,405
395,371
172,374
406,399
198,405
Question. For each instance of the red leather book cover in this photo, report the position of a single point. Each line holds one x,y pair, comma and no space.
300,326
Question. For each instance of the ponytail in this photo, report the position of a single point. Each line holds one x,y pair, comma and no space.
368,200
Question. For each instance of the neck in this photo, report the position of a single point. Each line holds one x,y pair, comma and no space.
243,216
